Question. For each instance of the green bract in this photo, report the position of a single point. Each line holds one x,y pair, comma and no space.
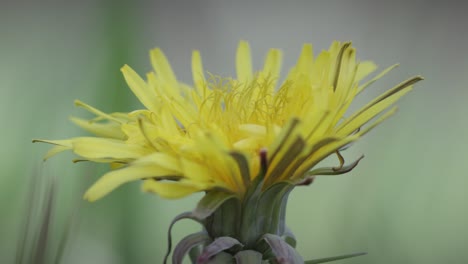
239,230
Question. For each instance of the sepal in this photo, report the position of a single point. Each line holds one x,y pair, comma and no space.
282,251
289,237
205,207
221,258
248,257
187,244
334,170
210,203
218,246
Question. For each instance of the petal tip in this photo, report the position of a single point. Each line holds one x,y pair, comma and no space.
125,68
89,197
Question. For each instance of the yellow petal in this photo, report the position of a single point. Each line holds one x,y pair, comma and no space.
162,67
198,73
288,131
244,63
373,80
197,171
363,116
288,140
168,123
306,59
171,190
110,130
64,143
162,160
249,144
60,145
114,179
55,150
253,129
334,47
379,120
272,65
183,112
213,153
140,88
363,69
96,111
402,86
102,148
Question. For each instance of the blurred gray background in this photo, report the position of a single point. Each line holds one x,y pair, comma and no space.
405,203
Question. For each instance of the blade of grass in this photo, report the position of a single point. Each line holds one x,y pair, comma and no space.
27,221
43,240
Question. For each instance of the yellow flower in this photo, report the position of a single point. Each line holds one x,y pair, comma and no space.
212,136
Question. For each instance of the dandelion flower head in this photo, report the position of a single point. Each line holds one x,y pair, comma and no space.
216,134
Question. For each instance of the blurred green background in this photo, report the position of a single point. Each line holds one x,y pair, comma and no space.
405,203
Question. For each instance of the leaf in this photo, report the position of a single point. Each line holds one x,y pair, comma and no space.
248,257
283,252
186,244
219,245
323,260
